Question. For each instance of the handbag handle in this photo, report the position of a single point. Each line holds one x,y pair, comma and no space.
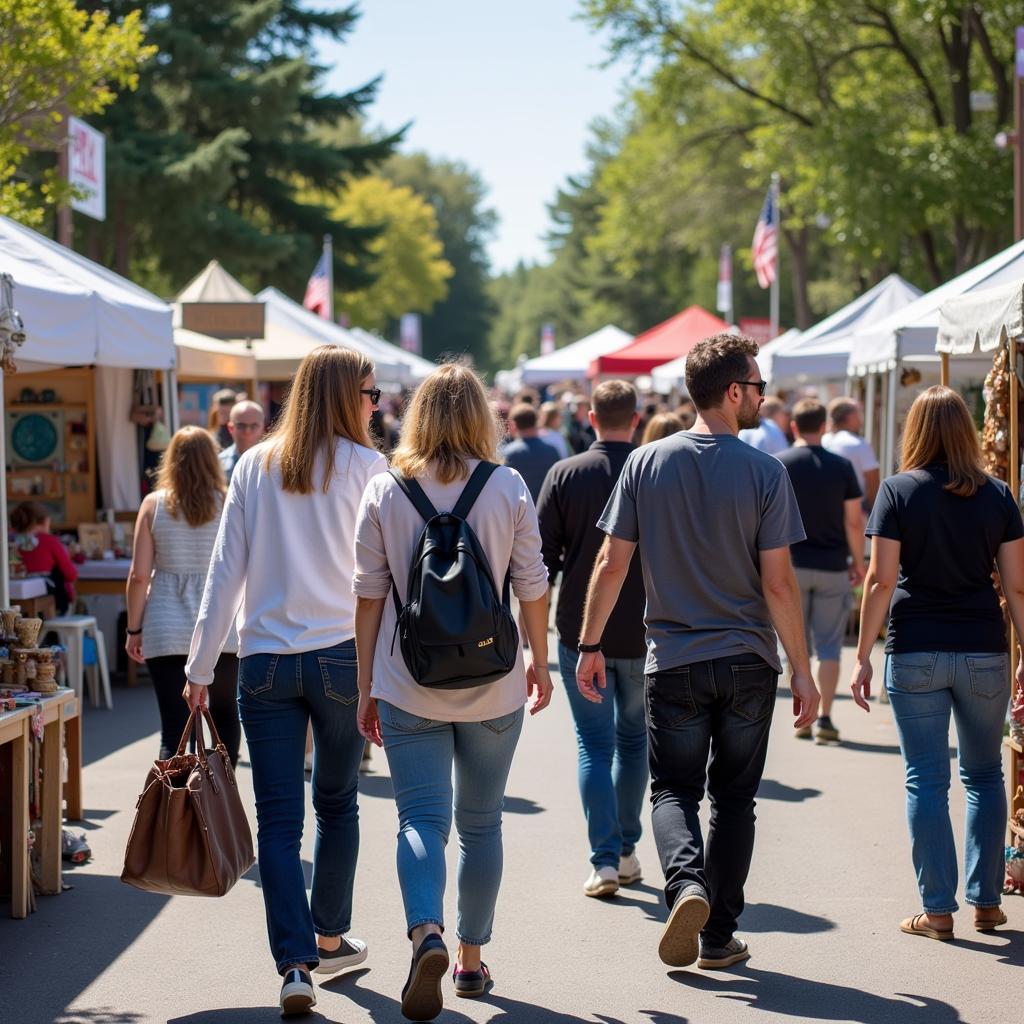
195,722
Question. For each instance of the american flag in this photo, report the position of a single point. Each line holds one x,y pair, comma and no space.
318,289
765,247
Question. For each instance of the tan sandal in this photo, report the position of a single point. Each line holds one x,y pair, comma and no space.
917,925
989,924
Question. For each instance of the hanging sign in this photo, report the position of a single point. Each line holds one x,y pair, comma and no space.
87,168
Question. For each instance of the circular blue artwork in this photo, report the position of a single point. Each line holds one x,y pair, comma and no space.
34,438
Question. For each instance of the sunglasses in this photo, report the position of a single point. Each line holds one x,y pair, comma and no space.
374,394
761,385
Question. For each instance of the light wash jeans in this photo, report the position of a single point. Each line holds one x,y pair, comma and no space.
612,741
924,687
421,753
278,695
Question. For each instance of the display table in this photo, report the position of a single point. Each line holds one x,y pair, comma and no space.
103,576
60,715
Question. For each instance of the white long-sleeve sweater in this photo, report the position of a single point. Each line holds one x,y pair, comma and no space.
284,561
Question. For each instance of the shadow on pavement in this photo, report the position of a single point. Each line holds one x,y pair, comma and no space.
792,996
772,790
135,716
71,960
767,917
1011,952
246,1015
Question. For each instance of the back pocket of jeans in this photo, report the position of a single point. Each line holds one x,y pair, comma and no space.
669,698
912,672
340,679
753,690
502,724
256,673
989,675
402,721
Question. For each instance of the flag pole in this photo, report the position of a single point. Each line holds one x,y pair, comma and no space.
329,260
774,295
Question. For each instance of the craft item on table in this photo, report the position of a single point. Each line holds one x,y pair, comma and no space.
28,631
12,327
8,617
1014,884
20,670
15,566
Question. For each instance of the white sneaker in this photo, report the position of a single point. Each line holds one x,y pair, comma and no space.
602,882
630,871
297,995
351,953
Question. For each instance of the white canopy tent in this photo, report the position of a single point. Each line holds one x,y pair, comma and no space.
822,352
419,367
78,313
981,321
909,336
769,348
203,358
571,362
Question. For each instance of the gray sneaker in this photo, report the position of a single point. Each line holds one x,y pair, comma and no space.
715,958
680,941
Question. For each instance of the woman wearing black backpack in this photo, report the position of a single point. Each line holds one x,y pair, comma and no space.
429,717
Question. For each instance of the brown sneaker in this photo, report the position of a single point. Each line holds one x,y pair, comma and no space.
680,941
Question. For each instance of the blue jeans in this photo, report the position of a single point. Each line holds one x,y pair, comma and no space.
924,687
278,695
612,741
421,754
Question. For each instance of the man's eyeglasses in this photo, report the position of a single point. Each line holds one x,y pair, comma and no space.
375,393
761,385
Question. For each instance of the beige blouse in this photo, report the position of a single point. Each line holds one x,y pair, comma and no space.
387,529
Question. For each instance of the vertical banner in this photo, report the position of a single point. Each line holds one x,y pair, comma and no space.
409,332
87,168
547,339
724,303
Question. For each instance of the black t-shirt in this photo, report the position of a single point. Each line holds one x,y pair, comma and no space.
822,483
945,599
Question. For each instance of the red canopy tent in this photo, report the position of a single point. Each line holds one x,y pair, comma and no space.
669,340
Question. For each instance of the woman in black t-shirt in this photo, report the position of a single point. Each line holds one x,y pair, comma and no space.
936,530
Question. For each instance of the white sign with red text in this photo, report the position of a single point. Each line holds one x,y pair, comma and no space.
87,168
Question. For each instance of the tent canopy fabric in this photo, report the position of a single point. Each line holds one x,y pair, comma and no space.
572,361
419,367
204,358
981,321
913,331
766,352
214,284
823,351
660,344
78,313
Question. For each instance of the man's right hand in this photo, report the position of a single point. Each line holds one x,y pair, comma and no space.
590,668
805,699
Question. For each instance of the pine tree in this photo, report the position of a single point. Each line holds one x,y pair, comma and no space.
208,158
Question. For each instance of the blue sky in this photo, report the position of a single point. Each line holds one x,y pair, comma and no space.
509,88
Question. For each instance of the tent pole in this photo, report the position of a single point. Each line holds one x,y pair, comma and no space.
1014,475
5,569
869,407
890,421
944,369
171,398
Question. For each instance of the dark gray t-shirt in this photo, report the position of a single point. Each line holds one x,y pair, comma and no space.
701,507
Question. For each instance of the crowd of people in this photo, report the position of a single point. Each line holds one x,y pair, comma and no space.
306,577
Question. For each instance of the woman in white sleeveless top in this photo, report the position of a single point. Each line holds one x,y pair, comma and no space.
174,537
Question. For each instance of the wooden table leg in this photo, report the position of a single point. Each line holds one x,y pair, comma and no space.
20,878
73,788
52,811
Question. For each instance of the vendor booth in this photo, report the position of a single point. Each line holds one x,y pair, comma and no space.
658,345
896,356
820,354
572,361
990,323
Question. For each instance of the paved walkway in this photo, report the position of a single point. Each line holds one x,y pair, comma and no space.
831,879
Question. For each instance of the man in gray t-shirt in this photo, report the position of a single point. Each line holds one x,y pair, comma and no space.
713,519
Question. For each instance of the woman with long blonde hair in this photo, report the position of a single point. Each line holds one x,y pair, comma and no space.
283,564
449,438
937,529
174,535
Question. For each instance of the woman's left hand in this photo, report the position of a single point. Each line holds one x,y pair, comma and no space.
861,686
196,696
368,720
539,685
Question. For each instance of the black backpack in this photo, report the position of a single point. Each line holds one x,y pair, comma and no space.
454,630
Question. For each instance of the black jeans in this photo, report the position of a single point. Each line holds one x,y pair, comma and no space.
168,675
721,708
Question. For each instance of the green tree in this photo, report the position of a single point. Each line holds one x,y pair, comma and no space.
863,107
211,157
461,322
55,60
409,266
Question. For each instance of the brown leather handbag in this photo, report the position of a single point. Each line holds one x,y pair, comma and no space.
191,836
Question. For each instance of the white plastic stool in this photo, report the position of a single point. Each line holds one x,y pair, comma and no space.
72,630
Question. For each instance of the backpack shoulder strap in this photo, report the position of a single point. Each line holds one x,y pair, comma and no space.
474,485
415,494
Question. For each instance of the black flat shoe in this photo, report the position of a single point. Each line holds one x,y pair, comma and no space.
471,984
421,997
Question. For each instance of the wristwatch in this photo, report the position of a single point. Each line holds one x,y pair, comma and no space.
588,648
